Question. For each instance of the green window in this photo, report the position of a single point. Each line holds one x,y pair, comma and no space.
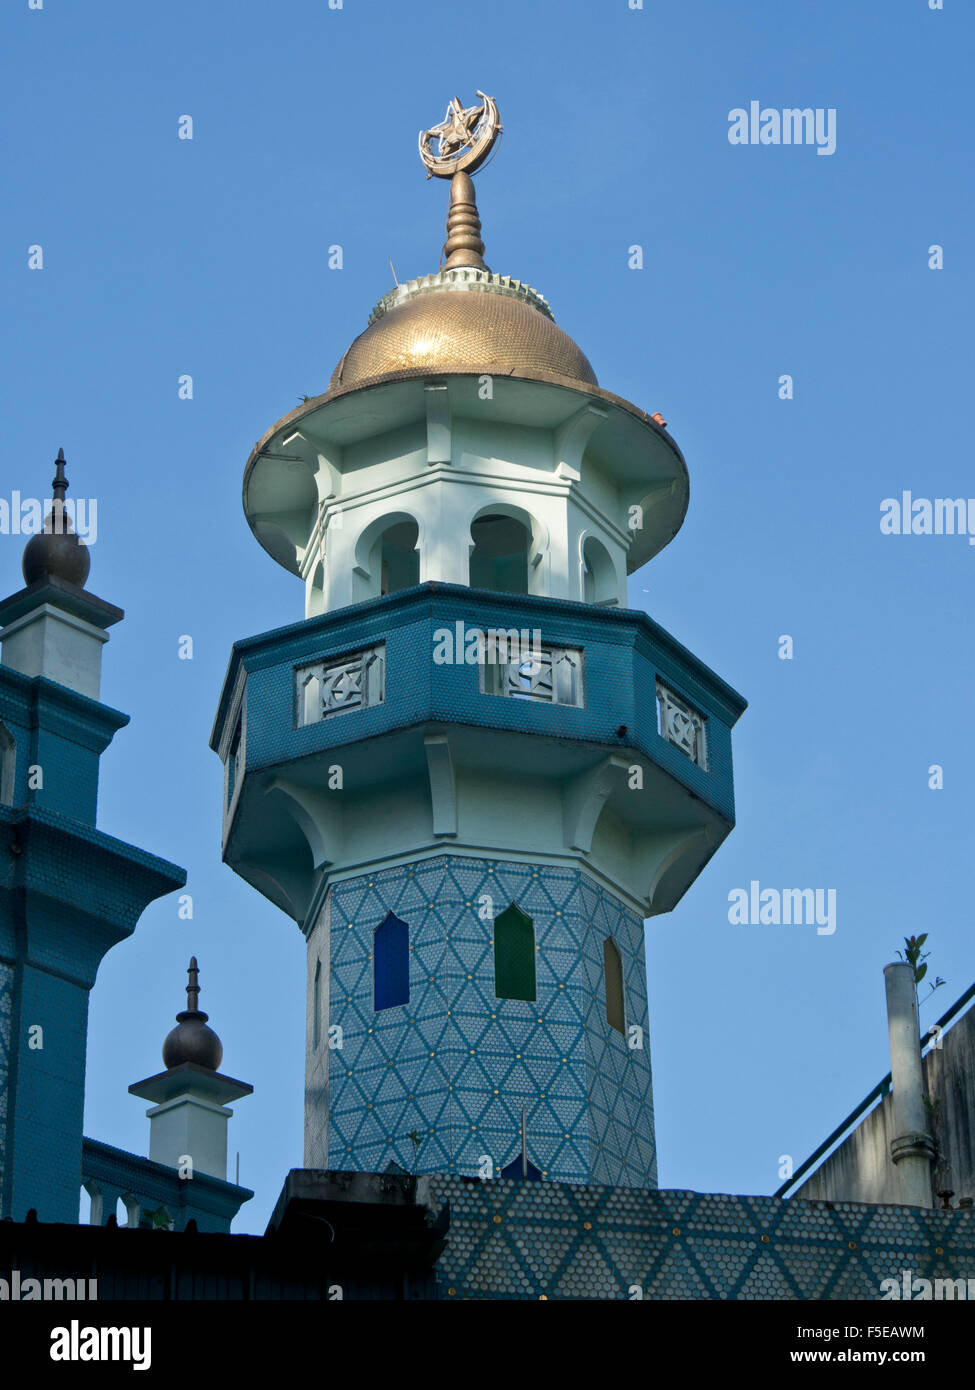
514,955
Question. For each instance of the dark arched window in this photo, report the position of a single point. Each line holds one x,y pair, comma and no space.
391,963
316,1007
499,558
613,971
514,955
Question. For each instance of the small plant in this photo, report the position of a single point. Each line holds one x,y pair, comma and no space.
917,957
303,399
414,1139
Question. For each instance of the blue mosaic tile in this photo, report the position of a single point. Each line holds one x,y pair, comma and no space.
532,1240
456,1064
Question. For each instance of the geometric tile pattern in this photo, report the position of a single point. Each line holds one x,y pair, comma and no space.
531,1240
438,1085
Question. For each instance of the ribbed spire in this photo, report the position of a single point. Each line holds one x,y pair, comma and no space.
191,1040
193,987
56,552
463,246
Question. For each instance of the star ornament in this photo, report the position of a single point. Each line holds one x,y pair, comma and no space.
456,129
462,141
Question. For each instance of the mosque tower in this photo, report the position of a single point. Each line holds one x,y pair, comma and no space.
68,891
471,773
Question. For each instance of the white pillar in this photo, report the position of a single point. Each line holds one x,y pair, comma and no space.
911,1148
190,1115
49,641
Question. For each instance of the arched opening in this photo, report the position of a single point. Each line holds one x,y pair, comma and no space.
8,765
399,559
92,1207
514,955
391,963
598,575
521,1168
499,558
316,1006
128,1211
386,556
613,972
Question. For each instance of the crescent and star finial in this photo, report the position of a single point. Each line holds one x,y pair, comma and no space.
464,139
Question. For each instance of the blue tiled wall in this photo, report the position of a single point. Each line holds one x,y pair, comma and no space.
456,1065
63,734
48,1105
68,893
6,1002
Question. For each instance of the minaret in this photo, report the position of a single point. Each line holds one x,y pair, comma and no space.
189,1116
471,772
55,628
68,892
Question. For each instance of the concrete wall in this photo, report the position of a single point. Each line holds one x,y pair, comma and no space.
860,1170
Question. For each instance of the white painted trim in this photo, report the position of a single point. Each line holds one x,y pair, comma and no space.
48,610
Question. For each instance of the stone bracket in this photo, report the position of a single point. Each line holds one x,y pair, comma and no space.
443,784
668,850
571,438
584,798
318,819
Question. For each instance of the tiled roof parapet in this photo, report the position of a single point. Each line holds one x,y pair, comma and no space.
206,1199
532,1240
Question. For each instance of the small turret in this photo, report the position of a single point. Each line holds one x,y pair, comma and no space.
54,627
190,1114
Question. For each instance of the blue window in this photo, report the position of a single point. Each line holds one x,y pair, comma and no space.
391,963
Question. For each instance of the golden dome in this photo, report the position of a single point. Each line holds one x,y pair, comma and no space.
464,320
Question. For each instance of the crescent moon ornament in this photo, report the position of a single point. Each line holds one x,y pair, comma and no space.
464,138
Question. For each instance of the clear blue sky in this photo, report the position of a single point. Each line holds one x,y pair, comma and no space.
209,257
